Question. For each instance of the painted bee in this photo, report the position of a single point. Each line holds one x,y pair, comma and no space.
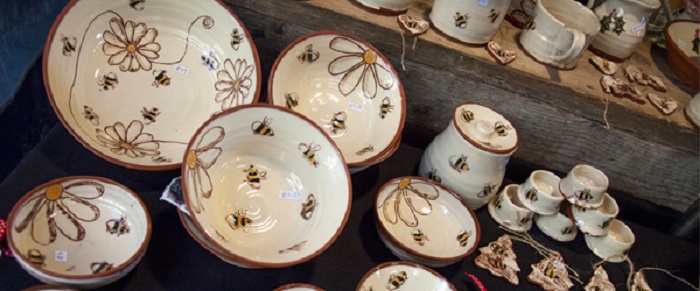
568,230
90,115
532,194
486,191
419,237
584,194
386,107
500,128
606,223
497,202
160,79
160,160
309,55
549,272
338,122
460,164
236,39
291,100
525,219
461,20
432,175
365,150
463,237
108,81
149,116
238,220
530,24
396,280
579,208
254,176
412,24
310,152
35,258
308,207
68,47
100,267
210,61
467,116
262,128
494,15
117,226
136,4
498,263
498,250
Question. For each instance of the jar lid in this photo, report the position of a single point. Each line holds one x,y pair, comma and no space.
485,128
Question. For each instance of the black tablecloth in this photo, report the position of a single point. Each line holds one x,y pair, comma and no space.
174,261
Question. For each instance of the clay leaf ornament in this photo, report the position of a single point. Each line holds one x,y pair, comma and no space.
412,26
664,105
551,274
639,283
499,258
602,65
599,281
501,55
621,89
636,75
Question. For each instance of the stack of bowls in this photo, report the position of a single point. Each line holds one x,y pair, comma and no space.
347,87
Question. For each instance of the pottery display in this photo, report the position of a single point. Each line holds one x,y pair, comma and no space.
387,7
683,50
557,226
540,193
584,186
614,246
559,32
471,154
348,88
403,275
83,232
622,27
298,287
508,211
595,221
266,186
133,83
469,21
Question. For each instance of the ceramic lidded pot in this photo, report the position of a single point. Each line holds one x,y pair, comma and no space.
469,21
471,154
622,27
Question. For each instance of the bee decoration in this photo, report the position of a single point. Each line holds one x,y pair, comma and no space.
210,61
397,280
460,164
432,175
525,219
463,238
419,237
160,159
35,258
309,55
262,127
90,115
386,107
337,124
498,250
501,128
108,81
367,149
149,115
291,100
568,230
309,152
531,194
407,200
606,223
549,272
161,78
494,15
461,20
467,116
236,39
308,207
239,220
497,202
530,24
498,263
100,267
486,191
68,46
136,4
584,194
253,177
117,226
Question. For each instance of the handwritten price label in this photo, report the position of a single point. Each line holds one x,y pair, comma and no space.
681,44
290,194
356,107
60,256
483,2
182,70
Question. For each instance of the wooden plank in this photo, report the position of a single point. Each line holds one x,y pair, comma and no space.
560,122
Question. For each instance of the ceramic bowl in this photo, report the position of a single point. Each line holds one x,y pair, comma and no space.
421,221
348,88
298,287
683,56
132,80
404,275
614,246
266,186
83,232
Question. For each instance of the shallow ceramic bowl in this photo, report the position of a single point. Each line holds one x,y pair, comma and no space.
83,232
266,186
404,275
347,87
683,60
424,222
298,287
132,80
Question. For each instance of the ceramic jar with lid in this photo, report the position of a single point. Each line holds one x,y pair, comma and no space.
469,21
471,154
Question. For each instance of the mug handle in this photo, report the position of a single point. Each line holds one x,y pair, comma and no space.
576,46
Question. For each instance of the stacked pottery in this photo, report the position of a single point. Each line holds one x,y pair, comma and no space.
471,154
540,193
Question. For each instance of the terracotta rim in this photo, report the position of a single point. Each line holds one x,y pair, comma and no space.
476,144
297,285
237,258
382,10
402,263
45,75
674,48
137,255
389,149
49,287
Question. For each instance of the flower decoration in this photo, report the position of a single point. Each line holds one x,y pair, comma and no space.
61,209
198,161
131,46
234,83
358,65
129,141
408,201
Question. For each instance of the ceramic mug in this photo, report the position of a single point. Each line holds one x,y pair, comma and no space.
596,221
558,226
507,210
389,7
540,192
584,186
623,26
614,246
559,32
469,21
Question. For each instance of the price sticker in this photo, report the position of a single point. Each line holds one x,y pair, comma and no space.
182,70
60,256
356,107
639,26
290,194
681,44
483,2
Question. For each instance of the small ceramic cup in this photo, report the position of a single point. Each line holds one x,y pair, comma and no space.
540,193
387,7
559,32
614,246
507,210
584,186
469,21
595,221
558,226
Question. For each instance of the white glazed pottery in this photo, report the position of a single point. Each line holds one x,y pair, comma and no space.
403,275
386,7
558,226
298,287
595,221
471,154
614,246
559,33
347,87
540,192
584,186
692,110
469,21
83,232
622,26
266,186
421,221
132,80
508,211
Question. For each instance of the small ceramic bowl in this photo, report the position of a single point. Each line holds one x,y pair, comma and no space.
584,186
266,186
83,232
558,226
615,245
540,193
298,287
508,211
404,275
595,221
421,221
683,56
348,88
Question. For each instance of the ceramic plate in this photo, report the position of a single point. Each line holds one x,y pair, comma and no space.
133,80
403,275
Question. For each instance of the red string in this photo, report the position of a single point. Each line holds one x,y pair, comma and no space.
3,230
477,282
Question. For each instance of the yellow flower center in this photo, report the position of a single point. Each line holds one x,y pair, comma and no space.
191,160
237,85
53,192
370,57
404,183
131,47
126,145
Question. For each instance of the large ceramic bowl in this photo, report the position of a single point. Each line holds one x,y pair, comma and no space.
346,86
132,80
682,47
424,222
403,275
83,232
266,186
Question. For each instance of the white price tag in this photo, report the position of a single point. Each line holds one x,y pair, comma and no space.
290,194
681,44
356,107
639,26
60,256
182,69
483,2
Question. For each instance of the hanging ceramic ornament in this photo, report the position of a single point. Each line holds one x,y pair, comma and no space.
499,259
502,56
637,75
664,105
551,274
639,283
602,65
413,27
599,281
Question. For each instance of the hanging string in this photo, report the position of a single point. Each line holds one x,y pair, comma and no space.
606,101
403,49
415,40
